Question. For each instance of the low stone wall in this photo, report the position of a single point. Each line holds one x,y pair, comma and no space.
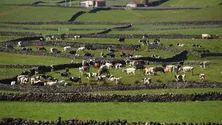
212,22
72,44
80,97
93,88
74,121
76,15
178,57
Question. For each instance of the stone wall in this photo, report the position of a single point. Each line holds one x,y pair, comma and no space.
75,121
124,87
81,97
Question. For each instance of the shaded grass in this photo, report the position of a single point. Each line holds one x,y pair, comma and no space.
207,111
160,91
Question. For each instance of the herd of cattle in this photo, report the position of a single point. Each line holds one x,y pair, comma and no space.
129,66
103,73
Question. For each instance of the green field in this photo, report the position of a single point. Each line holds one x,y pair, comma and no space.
170,112
198,112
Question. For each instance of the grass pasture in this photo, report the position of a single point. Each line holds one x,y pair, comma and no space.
197,112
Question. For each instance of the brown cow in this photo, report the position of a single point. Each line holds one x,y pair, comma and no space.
40,48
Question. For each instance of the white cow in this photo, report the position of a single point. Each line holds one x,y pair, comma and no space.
130,70
146,80
204,64
19,44
116,79
202,77
206,36
22,79
187,69
109,65
81,49
67,48
53,50
76,37
13,83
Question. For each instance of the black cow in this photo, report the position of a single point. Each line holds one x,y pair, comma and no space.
121,39
72,52
111,55
65,74
88,55
75,79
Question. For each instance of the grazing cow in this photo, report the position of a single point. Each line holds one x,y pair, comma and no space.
180,44
202,77
13,83
88,55
75,79
187,69
9,47
130,71
22,79
51,83
158,69
91,75
196,45
204,64
111,55
103,69
54,50
82,69
72,52
149,71
20,44
155,56
76,37
38,82
122,54
81,48
180,78
116,79
156,41
118,65
143,41
26,49
67,48
65,74
171,68
110,49
62,83
101,77
109,65
121,39
96,65
40,48
139,66
206,36
146,80
145,36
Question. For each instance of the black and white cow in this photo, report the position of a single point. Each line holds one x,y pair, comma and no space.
75,79
180,78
